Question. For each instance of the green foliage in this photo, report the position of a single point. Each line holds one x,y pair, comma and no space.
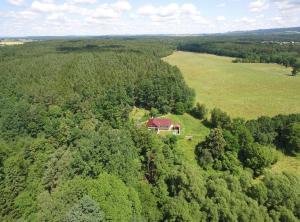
108,149
258,192
291,138
154,112
263,130
257,157
212,148
220,119
199,111
179,108
87,210
118,202
296,68
276,130
283,195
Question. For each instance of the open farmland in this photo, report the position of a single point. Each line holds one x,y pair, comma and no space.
242,90
8,43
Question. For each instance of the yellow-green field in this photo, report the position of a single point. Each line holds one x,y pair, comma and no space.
287,164
3,43
242,90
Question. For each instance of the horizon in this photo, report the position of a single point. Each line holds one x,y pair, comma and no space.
38,18
153,35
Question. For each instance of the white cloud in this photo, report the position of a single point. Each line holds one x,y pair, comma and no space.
84,1
258,5
288,6
101,11
16,2
172,13
221,5
220,18
47,7
121,5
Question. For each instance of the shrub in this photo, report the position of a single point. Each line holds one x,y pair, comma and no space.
220,119
212,148
291,138
257,157
199,111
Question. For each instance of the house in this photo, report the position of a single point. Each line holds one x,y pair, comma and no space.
163,124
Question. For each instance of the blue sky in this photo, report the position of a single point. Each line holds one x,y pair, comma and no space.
118,17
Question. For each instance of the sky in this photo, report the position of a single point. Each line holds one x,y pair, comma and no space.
133,17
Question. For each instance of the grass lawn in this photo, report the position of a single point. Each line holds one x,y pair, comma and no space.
138,115
190,127
287,163
242,90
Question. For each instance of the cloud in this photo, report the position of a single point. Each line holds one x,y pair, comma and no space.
48,7
220,18
221,5
172,13
121,5
287,6
84,1
258,5
100,11
16,2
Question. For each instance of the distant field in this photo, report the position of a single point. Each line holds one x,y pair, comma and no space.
242,90
11,43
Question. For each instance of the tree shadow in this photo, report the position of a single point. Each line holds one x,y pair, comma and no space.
207,123
96,48
88,47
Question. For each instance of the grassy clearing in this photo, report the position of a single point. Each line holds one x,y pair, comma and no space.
287,164
139,115
242,90
190,127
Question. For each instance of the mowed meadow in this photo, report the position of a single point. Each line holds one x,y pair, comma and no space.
242,90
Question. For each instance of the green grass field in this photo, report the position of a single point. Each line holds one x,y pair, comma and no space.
242,90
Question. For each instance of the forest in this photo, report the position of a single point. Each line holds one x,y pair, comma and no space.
69,151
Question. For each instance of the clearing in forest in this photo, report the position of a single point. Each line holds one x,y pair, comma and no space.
242,90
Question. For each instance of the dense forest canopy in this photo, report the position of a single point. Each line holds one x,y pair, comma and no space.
69,152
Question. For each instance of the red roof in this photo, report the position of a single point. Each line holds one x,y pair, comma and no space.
155,122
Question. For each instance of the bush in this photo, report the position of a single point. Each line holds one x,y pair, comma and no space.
291,138
154,112
199,111
87,210
257,157
220,119
212,148
179,108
